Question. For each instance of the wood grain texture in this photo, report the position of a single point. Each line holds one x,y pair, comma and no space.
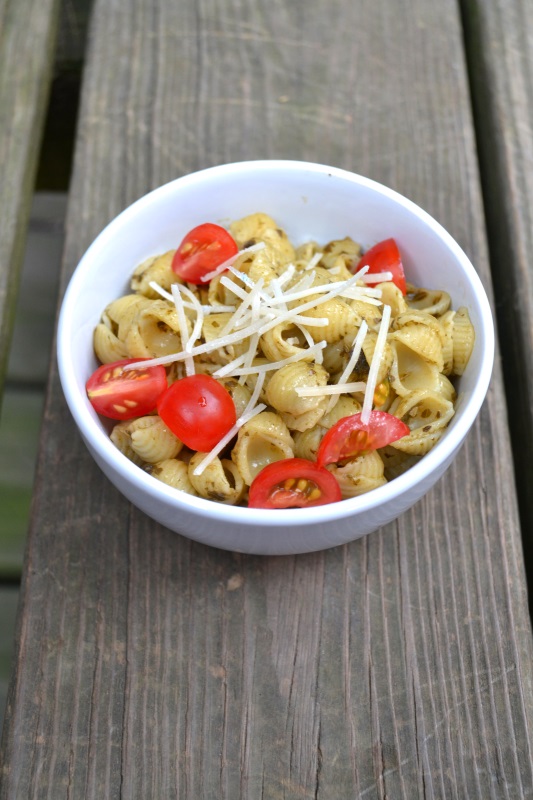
8,612
72,32
27,373
29,361
27,36
33,331
398,666
500,50
19,437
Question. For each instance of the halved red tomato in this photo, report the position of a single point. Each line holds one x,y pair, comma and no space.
385,257
293,483
202,250
198,410
124,394
349,436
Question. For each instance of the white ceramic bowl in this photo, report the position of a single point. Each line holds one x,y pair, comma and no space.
310,201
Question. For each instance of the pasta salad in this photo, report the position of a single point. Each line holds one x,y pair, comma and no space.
247,370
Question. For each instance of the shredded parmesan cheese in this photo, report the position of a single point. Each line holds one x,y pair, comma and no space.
277,291
231,260
159,289
332,389
240,313
313,262
250,355
255,394
374,366
359,274
193,306
268,320
311,290
286,276
178,302
356,352
263,310
377,277
257,368
197,306
303,283
227,369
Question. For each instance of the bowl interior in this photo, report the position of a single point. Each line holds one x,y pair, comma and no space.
309,202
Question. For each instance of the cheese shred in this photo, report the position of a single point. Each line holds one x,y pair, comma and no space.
375,365
260,308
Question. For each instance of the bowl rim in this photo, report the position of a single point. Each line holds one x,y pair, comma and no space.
269,518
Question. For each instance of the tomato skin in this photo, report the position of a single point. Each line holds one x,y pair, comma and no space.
275,486
385,257
198,410
202,250
123,394
349,436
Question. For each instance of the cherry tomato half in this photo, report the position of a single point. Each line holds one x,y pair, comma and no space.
385,257
293,483
202,250
198,410
123,394
349,436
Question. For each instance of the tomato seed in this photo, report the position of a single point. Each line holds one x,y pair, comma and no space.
358,438
301,486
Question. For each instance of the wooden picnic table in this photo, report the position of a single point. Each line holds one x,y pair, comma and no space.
398,666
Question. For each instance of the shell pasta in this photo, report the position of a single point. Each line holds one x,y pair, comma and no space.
301,337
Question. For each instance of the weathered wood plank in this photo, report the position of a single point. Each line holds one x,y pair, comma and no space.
33,331
150,666
499,36
72,32
27,37
8,609
28,365
19,434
